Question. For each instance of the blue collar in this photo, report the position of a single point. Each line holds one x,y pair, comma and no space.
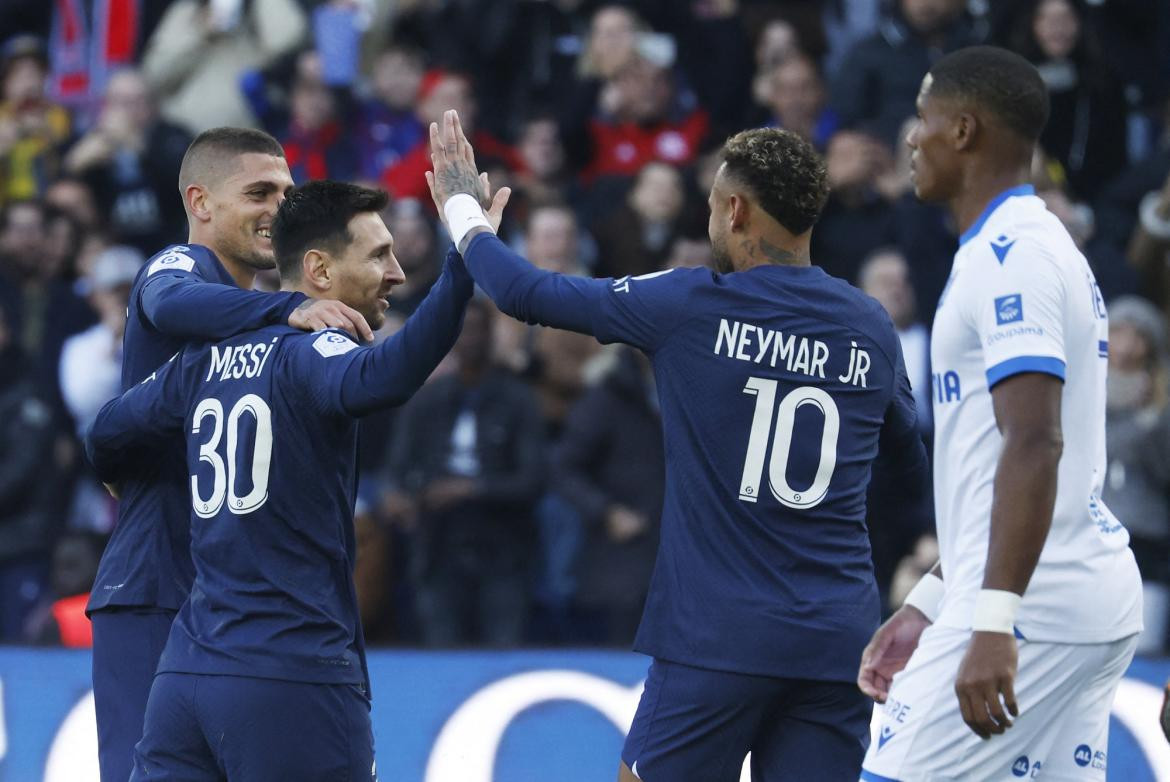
1018,190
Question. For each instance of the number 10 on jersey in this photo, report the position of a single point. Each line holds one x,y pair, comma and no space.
764,391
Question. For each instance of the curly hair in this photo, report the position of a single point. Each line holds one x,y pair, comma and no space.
783,172
317,215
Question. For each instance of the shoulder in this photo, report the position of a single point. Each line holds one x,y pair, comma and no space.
191,258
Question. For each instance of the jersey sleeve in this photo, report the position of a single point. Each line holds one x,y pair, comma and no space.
138,420
342,378
899,443
1017,311
179,301
639,311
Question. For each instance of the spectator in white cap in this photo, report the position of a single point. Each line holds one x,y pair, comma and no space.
91,362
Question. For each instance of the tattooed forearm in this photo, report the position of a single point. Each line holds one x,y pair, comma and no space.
779,255
457,176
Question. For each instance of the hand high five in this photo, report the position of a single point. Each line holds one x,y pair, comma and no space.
454,171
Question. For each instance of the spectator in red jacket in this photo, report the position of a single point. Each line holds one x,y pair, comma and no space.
442,90
653,119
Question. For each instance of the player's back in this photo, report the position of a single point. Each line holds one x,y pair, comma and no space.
147,561
775,384
272,482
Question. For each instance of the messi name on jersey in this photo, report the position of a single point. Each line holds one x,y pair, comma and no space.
800,355
239,361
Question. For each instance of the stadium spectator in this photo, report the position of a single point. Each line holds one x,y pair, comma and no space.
27,522
91,361
469,453
42,307
895,518
195,57
1137,441
636,238
1086,130
610,466
129,159
389,128
877,82
74,196
545,177
32,128
1149,245
651,118
441,90
858,216
796,100
61,619
416,248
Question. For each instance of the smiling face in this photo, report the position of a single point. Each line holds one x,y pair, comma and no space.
933,160
242,206
365,271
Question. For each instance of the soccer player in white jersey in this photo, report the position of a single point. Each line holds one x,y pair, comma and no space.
977,683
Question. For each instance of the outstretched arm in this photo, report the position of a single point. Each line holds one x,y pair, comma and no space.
390,373
138,419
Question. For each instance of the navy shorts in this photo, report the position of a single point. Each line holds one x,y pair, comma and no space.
697,725
205,728
127,643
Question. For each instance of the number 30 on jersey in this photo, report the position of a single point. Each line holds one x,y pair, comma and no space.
223,482
764,391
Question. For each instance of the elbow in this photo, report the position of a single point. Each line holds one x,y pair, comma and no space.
1038,445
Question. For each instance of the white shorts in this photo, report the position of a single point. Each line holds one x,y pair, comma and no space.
1064,691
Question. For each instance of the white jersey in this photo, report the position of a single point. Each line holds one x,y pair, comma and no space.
1021,298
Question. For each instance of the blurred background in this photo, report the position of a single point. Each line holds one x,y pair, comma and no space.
515,500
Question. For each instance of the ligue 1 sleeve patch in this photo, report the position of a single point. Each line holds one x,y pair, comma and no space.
333,344
174,259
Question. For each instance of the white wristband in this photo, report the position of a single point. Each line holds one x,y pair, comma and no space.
995,611
463,213
927,595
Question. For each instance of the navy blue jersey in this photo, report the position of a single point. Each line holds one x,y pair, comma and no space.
182,294
776,387
269,483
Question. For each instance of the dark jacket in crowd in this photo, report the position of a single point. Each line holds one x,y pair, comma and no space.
27,474
878,83
509,449
611,453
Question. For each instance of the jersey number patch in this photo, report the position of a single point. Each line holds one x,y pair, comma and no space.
764,391
223,482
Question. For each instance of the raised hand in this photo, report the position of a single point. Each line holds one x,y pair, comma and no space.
454,161
315,314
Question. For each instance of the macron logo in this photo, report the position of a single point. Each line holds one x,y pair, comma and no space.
886,734
1000,246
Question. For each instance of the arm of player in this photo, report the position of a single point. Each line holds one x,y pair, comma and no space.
190,307
1027,411
138,419
390,373
1019,316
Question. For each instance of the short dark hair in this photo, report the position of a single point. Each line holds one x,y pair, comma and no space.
999,81
316,215
211,149
783,172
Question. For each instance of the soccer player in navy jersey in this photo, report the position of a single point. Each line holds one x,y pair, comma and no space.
778,384
231,181
263,676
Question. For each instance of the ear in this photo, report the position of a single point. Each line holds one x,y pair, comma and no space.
316,269
739,211
195,197
965,129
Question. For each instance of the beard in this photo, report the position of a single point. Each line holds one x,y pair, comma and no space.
721,258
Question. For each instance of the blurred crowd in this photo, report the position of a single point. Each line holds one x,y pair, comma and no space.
515,499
